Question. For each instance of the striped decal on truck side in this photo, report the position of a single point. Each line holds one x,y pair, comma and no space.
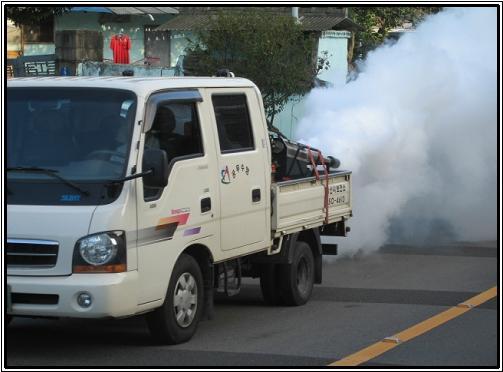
164,230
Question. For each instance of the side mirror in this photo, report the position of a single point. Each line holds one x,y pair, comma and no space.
157,160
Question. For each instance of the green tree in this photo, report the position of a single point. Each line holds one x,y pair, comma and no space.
270,50
377,23
32,15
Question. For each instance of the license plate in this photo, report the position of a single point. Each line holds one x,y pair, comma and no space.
9,300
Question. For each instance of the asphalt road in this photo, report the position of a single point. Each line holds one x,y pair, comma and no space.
361,301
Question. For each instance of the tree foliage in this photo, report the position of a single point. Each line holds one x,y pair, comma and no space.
32,15
271,50
377,23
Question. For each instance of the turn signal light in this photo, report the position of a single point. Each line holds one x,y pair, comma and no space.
118,268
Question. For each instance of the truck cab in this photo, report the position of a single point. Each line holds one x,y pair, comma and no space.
142,195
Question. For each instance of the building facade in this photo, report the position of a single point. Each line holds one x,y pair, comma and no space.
159,37
138,23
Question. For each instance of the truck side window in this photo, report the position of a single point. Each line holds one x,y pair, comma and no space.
175,130
233,123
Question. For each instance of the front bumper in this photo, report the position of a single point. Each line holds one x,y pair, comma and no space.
113,295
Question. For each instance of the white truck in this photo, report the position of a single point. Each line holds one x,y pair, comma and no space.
129,195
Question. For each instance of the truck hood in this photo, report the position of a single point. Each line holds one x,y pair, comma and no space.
61,224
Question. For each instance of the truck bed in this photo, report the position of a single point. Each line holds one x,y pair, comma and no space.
300,204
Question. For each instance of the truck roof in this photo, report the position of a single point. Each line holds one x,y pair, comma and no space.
142,86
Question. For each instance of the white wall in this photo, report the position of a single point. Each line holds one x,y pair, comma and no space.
336,44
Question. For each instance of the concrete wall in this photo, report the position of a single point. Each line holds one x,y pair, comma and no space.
336,44
287,120
33,49
90,68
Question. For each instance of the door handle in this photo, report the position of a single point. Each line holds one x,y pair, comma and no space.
205,205
255,195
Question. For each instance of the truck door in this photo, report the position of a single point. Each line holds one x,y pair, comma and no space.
241,161
181,213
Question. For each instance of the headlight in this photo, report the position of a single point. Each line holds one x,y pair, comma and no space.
98,249
102,252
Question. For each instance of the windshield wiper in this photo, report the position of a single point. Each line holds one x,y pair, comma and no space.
49,172
128,178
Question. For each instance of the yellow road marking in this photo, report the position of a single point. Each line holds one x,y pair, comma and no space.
389,343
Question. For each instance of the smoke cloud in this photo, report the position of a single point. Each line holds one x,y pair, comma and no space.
418,128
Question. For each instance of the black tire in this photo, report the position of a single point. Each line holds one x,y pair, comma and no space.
162,322
269,284
297,278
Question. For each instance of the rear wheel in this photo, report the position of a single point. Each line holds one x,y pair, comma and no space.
177,319
297,278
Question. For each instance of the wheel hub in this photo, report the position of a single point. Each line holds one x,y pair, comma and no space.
185,300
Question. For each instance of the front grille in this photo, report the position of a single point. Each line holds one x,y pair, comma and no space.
31,253
35,299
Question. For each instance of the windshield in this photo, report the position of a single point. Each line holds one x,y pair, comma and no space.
64,145
81,133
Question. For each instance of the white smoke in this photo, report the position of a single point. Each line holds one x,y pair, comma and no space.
418,129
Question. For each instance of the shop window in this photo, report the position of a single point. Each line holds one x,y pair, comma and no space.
39,33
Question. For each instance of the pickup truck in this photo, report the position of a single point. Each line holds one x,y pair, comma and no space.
129,195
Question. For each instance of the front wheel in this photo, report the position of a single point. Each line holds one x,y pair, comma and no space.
177,319
297,278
